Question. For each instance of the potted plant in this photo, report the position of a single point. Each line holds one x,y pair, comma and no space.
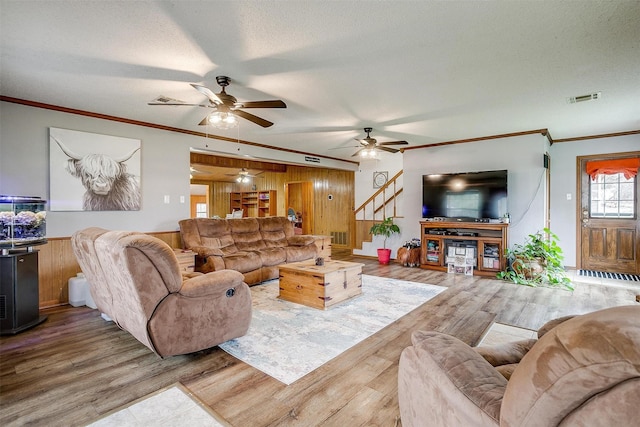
537,261
385,228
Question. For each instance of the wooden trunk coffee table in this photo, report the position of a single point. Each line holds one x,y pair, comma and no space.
320,286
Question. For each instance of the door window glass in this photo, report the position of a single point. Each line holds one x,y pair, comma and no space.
613,196
201,210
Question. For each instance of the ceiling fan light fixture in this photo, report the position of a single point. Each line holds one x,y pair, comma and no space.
222,120
368,153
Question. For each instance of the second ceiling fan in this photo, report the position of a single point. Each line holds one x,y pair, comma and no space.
226,106
369,145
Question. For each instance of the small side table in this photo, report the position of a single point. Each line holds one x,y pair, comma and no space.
186,259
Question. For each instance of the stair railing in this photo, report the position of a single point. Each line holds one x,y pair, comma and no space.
382,204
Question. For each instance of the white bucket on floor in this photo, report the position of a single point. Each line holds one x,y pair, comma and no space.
78,290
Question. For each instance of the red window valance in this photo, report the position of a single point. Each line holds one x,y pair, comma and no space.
627,167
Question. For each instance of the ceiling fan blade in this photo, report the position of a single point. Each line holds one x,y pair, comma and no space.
208,93
394,143
362,141
390,150
348,146
357,152
262,104
178,103
255,119
165,100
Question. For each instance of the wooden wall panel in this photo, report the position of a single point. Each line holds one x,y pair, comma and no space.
57,264
329,215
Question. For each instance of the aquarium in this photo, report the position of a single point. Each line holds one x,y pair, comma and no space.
23,221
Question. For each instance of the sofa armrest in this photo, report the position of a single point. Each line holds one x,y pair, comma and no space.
301,240
186,275
507,353
444,380
205,251
215,283
552,324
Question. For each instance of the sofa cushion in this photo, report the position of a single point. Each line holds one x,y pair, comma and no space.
301,253
273,256
246,234
224,244
242,261
214,232
272,231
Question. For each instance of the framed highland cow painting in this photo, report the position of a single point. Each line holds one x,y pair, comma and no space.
93,172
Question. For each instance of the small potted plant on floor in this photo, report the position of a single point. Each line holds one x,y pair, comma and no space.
537,261
385,228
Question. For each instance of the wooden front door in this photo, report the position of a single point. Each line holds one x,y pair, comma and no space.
609,220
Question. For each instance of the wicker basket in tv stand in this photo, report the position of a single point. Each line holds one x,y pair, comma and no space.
488,239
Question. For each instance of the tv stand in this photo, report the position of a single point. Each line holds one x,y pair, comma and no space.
480,243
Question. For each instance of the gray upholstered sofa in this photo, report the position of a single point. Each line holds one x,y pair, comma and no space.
136,281
253,246
583,372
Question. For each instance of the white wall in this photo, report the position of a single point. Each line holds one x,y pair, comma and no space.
563,181
521,156
24,167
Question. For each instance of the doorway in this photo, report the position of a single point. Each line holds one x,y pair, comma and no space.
199,201
608,218
298,197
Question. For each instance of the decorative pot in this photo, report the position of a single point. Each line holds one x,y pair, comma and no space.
384,255
530,268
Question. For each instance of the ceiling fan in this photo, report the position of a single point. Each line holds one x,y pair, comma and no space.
243,175
226,106
368,145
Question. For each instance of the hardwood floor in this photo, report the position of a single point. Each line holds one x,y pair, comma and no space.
75,367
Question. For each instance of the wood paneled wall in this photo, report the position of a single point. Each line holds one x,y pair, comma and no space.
335,215
57,264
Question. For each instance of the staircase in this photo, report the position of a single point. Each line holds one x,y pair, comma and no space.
382,204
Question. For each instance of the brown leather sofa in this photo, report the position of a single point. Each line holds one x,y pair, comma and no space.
253,246
583,372
136,281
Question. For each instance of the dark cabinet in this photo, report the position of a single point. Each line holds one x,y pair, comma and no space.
19,294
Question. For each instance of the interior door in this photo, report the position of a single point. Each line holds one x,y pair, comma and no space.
608,220
299,197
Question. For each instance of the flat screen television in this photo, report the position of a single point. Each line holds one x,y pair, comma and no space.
465,196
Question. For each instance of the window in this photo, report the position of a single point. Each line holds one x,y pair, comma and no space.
201,210
613,196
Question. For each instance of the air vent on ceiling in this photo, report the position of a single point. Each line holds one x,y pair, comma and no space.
582,98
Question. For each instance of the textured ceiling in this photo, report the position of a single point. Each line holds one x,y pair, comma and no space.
421,71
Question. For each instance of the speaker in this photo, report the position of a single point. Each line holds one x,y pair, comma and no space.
545,161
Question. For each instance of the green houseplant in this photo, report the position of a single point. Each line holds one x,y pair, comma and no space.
385,228
536,262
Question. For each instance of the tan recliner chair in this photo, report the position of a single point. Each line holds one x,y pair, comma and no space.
583,372
135,279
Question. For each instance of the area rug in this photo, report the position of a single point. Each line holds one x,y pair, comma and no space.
172,406
499,333
288,340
